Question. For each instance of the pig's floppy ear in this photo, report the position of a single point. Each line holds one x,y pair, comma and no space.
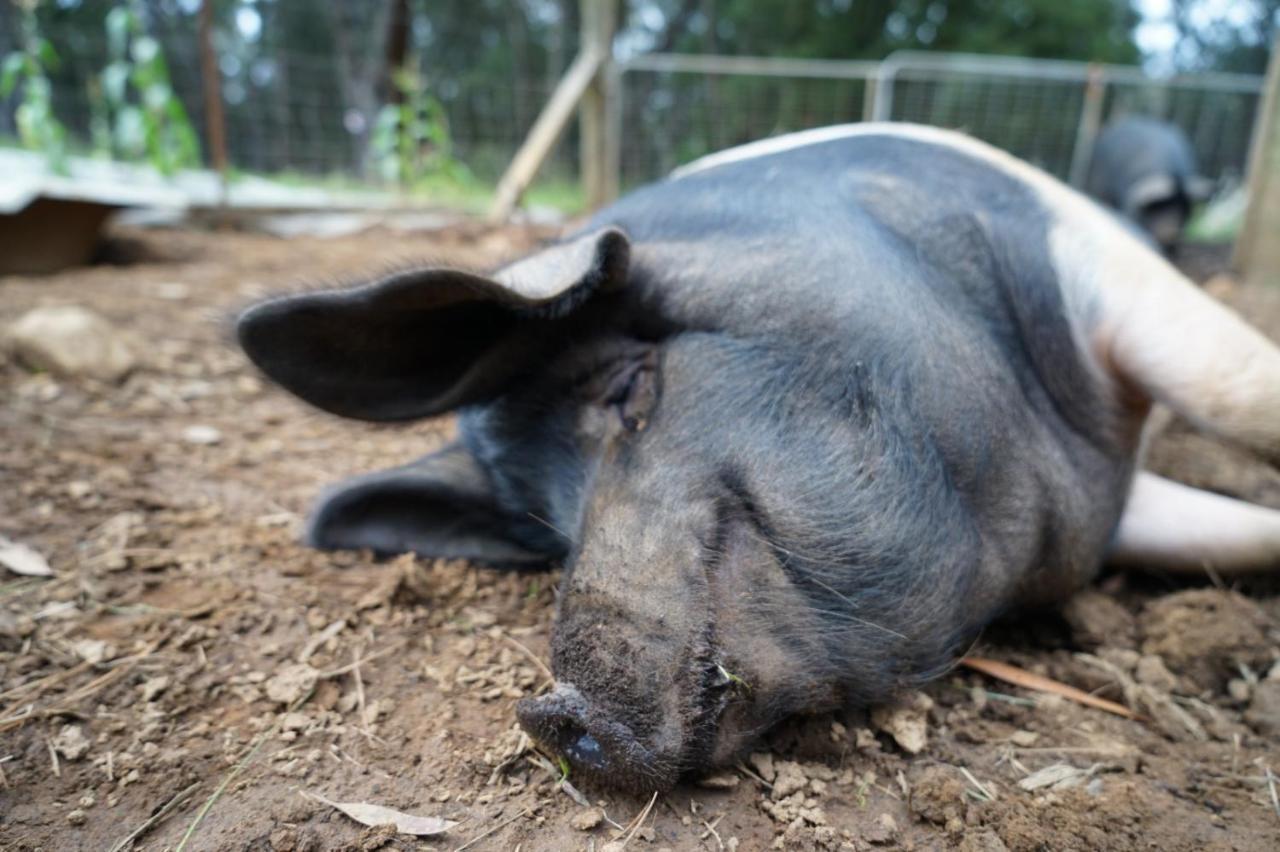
426,341
439,506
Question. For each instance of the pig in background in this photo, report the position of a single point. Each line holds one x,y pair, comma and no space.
1145,170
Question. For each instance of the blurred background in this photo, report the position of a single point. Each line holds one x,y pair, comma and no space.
432,98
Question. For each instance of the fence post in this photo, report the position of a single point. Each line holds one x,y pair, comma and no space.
1257,251
214,122
1095,89
599,22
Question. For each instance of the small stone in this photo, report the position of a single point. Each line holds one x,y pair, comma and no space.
152,688
720,781
1024,739
1263,714
1152,671
294,721
907,721
202,435
76,817
88,800
882,831
92,650
1239,690
762,763
587,820
73,341
71,742
291,683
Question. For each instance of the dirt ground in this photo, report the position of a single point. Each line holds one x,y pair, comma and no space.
191,671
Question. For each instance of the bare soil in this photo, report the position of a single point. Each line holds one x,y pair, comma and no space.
192,665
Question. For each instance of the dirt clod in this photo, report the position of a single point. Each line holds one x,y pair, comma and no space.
587,820
1205,634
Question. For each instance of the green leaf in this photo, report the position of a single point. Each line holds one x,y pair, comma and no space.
9,71
48,56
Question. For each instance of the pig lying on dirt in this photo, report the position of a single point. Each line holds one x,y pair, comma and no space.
797,423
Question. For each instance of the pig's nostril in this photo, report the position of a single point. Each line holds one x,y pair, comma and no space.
557,720
584,750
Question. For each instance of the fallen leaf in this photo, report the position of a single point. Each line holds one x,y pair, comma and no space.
371,815
1029,680
24,560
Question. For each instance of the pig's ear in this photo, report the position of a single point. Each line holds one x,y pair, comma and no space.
439,506
426,341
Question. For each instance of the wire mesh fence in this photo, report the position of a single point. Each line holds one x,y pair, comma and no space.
678,108
310,115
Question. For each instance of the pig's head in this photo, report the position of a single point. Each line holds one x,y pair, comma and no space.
727,503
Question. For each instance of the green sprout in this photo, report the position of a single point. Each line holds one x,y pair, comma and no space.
736,680
38,128
564,767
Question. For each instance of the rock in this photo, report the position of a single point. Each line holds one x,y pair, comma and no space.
291,683
71,742
719,781
76,817
1263,714
587,820
92,650
884,830
1097,619
1152,671
907,721
152,688
201,435
294,721
1239,690
73,341
1024,739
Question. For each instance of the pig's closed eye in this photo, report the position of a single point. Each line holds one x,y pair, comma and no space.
633,393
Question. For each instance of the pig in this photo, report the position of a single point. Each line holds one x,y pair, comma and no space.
796,423
1145,170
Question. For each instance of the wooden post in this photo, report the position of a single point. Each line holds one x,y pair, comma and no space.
599,22
588,72
1257,250
214,121
1095,89
550,124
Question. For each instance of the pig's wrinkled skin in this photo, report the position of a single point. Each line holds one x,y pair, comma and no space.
796,422
1145,170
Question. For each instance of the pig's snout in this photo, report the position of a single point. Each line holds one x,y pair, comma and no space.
568,724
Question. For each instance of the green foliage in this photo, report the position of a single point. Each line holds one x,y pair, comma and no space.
138,115
410,141
38,128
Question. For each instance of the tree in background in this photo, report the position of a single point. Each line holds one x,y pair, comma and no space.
1237,37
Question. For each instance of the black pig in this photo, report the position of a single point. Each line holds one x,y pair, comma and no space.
797,423
1145,170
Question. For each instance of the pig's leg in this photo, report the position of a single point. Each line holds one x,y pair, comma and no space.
1164,338
1178,528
